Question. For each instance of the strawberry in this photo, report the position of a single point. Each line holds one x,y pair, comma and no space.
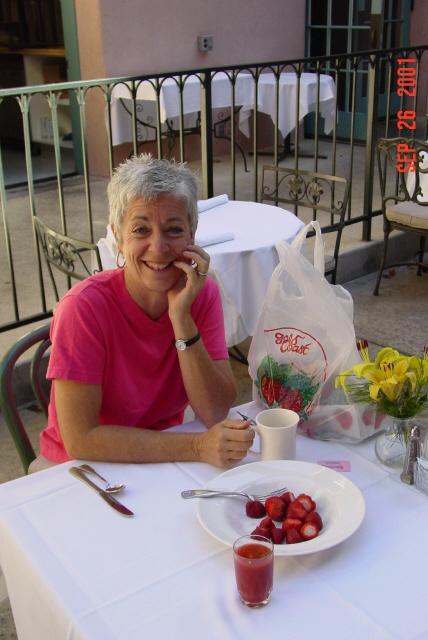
266,389
378,420
345,419
367,417
315,518
275,508
292,400
287,497
296,510
255,509
261,531
279,391
291,523
267,523
277,535
309,530
307,502
293,536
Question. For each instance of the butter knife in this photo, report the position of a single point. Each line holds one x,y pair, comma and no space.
80,474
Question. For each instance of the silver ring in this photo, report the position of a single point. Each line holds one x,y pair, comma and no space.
202,274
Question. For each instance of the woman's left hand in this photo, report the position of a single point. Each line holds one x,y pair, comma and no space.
184,292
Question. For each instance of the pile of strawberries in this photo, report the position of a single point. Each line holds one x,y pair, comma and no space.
299,520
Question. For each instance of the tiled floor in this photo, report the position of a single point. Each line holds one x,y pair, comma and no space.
43,164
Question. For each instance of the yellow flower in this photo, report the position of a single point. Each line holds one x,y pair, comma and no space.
386,355
394,382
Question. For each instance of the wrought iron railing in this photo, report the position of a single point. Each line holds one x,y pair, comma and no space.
365,105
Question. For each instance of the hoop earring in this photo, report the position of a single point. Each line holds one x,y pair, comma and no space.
118,264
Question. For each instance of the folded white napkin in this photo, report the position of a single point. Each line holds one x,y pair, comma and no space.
208,239
204,205
107,248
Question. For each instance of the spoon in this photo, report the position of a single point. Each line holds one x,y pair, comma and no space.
110,488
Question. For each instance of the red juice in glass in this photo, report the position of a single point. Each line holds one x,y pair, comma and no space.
253,557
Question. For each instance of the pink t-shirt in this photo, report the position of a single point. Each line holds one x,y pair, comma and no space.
101,336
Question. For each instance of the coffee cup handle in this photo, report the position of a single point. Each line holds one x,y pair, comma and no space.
255,426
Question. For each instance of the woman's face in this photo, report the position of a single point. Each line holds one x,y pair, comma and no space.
154,235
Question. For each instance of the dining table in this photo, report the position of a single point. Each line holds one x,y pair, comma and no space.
316,92
75,568
240,238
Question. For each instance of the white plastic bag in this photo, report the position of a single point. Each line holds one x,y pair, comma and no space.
304,338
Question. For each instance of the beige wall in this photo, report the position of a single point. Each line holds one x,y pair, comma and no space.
137,37
132,37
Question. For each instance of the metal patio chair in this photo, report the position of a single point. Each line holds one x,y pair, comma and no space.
316,191
75,258
38,338
404,203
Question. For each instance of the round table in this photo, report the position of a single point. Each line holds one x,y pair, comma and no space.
243,266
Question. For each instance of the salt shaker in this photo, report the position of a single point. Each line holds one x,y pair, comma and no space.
412,453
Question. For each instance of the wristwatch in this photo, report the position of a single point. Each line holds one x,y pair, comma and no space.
183,344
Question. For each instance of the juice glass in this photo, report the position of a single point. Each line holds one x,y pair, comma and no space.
253,558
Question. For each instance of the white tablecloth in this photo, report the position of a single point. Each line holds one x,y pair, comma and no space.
169,102
287,100
75,569
242,267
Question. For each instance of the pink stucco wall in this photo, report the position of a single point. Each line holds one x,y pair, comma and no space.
132,37
137,37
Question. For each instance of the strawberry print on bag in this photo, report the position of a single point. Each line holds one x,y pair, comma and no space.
291,377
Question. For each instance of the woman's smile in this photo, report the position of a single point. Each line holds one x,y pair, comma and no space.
157,266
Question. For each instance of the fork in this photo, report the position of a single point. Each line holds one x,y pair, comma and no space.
212,493
244,417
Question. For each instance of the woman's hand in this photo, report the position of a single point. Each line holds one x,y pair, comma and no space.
225,443
184,292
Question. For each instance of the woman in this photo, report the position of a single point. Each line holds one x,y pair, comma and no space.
131,347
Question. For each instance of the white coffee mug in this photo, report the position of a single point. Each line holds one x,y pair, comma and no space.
277,431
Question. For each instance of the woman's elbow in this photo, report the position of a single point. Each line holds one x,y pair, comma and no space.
75,449
219,410
76,443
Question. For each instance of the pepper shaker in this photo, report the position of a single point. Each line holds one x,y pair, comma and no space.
412,453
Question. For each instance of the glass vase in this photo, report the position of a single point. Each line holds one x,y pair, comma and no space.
390,447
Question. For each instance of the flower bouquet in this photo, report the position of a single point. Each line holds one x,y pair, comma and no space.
397,385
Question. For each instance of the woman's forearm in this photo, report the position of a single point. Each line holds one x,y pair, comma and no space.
122,444
84,438
210,389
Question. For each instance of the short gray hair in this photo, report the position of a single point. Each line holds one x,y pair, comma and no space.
146,177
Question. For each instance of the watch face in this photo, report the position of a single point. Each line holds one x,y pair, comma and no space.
181,345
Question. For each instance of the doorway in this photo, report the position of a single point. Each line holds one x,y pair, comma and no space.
38,46
342,26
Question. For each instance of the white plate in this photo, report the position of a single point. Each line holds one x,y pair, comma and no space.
339,502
